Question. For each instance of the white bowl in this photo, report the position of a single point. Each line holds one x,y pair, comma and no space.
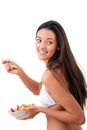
18,113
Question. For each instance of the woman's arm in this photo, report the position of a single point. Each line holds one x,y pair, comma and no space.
76,117
70,111
31,84
53,112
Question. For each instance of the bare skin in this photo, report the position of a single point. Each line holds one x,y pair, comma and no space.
67,115
61,123
53,123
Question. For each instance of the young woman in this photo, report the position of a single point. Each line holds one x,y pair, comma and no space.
62,90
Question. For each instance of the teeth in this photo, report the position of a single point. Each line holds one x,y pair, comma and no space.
42,52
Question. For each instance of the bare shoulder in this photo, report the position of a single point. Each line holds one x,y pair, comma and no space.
47,76
56,84
54,75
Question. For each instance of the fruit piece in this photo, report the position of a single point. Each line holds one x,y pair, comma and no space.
29,105
12,110
18,108
15,67
22,106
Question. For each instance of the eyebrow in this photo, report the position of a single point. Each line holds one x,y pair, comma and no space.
38,37
47,38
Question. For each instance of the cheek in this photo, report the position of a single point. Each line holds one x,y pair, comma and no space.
53,50
36,46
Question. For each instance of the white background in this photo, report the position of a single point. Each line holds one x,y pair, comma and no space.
19,20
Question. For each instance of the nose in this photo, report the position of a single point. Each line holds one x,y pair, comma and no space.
42,45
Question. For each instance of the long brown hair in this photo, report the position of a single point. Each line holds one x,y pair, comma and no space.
64,60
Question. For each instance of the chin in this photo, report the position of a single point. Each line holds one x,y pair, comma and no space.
41,58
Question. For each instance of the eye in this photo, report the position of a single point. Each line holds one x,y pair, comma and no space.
49,42
38,40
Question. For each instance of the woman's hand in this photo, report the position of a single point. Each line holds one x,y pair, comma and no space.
11,66
32,112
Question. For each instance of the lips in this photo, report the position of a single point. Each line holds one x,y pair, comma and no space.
42,52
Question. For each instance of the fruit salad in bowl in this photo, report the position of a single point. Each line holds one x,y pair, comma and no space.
19,110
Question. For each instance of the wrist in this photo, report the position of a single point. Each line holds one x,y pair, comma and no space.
20,71
42,109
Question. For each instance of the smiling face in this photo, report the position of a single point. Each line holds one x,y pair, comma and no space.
46,44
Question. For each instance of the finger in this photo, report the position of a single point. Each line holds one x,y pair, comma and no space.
8,61
23,117
8,66
12,62
5,61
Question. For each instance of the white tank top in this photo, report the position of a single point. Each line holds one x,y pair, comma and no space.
45,98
